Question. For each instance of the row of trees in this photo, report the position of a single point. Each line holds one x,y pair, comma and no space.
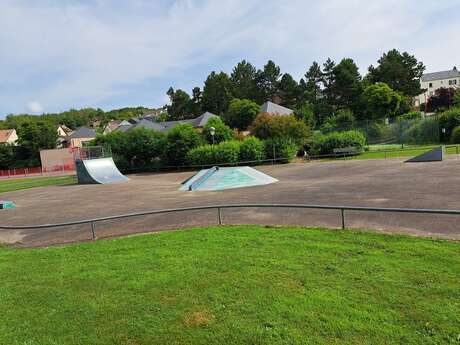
386,91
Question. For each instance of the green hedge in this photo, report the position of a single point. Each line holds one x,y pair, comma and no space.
326,143
455,137
284,148
252,149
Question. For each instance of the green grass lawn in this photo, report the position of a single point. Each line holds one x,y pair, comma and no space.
394,150
9,185
234,285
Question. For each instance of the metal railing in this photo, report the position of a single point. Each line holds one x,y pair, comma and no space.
92,222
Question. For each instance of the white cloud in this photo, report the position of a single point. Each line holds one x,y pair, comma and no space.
72,55
34,107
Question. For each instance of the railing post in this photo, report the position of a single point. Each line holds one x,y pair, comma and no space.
219,214
93,231
342,211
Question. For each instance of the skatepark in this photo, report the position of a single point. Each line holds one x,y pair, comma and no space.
372,183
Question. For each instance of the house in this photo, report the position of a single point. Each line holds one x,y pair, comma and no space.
63,131
275,109
111,126
430,82
81,136
8,136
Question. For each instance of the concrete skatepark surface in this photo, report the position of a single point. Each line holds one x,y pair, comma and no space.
379,183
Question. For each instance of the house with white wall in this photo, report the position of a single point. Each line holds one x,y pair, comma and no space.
430,82
8,136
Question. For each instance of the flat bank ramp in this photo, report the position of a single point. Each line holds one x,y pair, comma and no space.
98,171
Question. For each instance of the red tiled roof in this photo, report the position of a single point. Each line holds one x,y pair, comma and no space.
5,134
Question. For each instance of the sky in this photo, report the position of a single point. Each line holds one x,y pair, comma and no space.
62,54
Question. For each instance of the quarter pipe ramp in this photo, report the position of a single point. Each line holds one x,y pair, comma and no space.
98,171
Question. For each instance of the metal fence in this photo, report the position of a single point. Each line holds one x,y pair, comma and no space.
219,214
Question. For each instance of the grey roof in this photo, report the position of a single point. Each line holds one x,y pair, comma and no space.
272,108
203,119
441,75
83,132
148,124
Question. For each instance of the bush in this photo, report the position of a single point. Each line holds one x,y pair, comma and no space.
201,155
326,143
413,115
344,120
222,131
6,156
179,141
425,131
277,148
455,137
252,149
449,120
268,126
222,153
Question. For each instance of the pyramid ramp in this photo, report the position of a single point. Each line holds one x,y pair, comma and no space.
98,171
435,155
226,178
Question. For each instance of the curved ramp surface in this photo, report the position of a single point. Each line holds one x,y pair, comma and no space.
98,171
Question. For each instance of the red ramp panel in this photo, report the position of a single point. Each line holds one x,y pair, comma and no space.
98,171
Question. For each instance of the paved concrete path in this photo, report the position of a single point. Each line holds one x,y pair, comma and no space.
380,183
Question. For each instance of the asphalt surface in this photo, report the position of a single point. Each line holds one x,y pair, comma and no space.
375,183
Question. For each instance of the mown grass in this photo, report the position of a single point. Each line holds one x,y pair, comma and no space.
393,151
9,185
234,285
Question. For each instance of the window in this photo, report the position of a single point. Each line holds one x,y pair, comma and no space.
430,85
453,82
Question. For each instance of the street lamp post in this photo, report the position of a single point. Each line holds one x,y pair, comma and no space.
212,131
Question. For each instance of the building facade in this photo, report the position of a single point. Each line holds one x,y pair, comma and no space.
430,82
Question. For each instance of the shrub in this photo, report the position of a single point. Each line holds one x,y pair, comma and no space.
179,141
6,156
425,131
222,131
144,146
326,143
277,148
413,115
455,137
252,149
201,155
241,113
227,152
222,153
344,120
268,126
449,120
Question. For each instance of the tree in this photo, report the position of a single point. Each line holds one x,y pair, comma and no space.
288,91
346,86
217,93
312,83
144,146
402,72
268,82
442,99
268,126
241,113
243,80
6,156
380,101
456,98
179,140
195,104
328,79
36,136
180,102
306,113
344,120
222,131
